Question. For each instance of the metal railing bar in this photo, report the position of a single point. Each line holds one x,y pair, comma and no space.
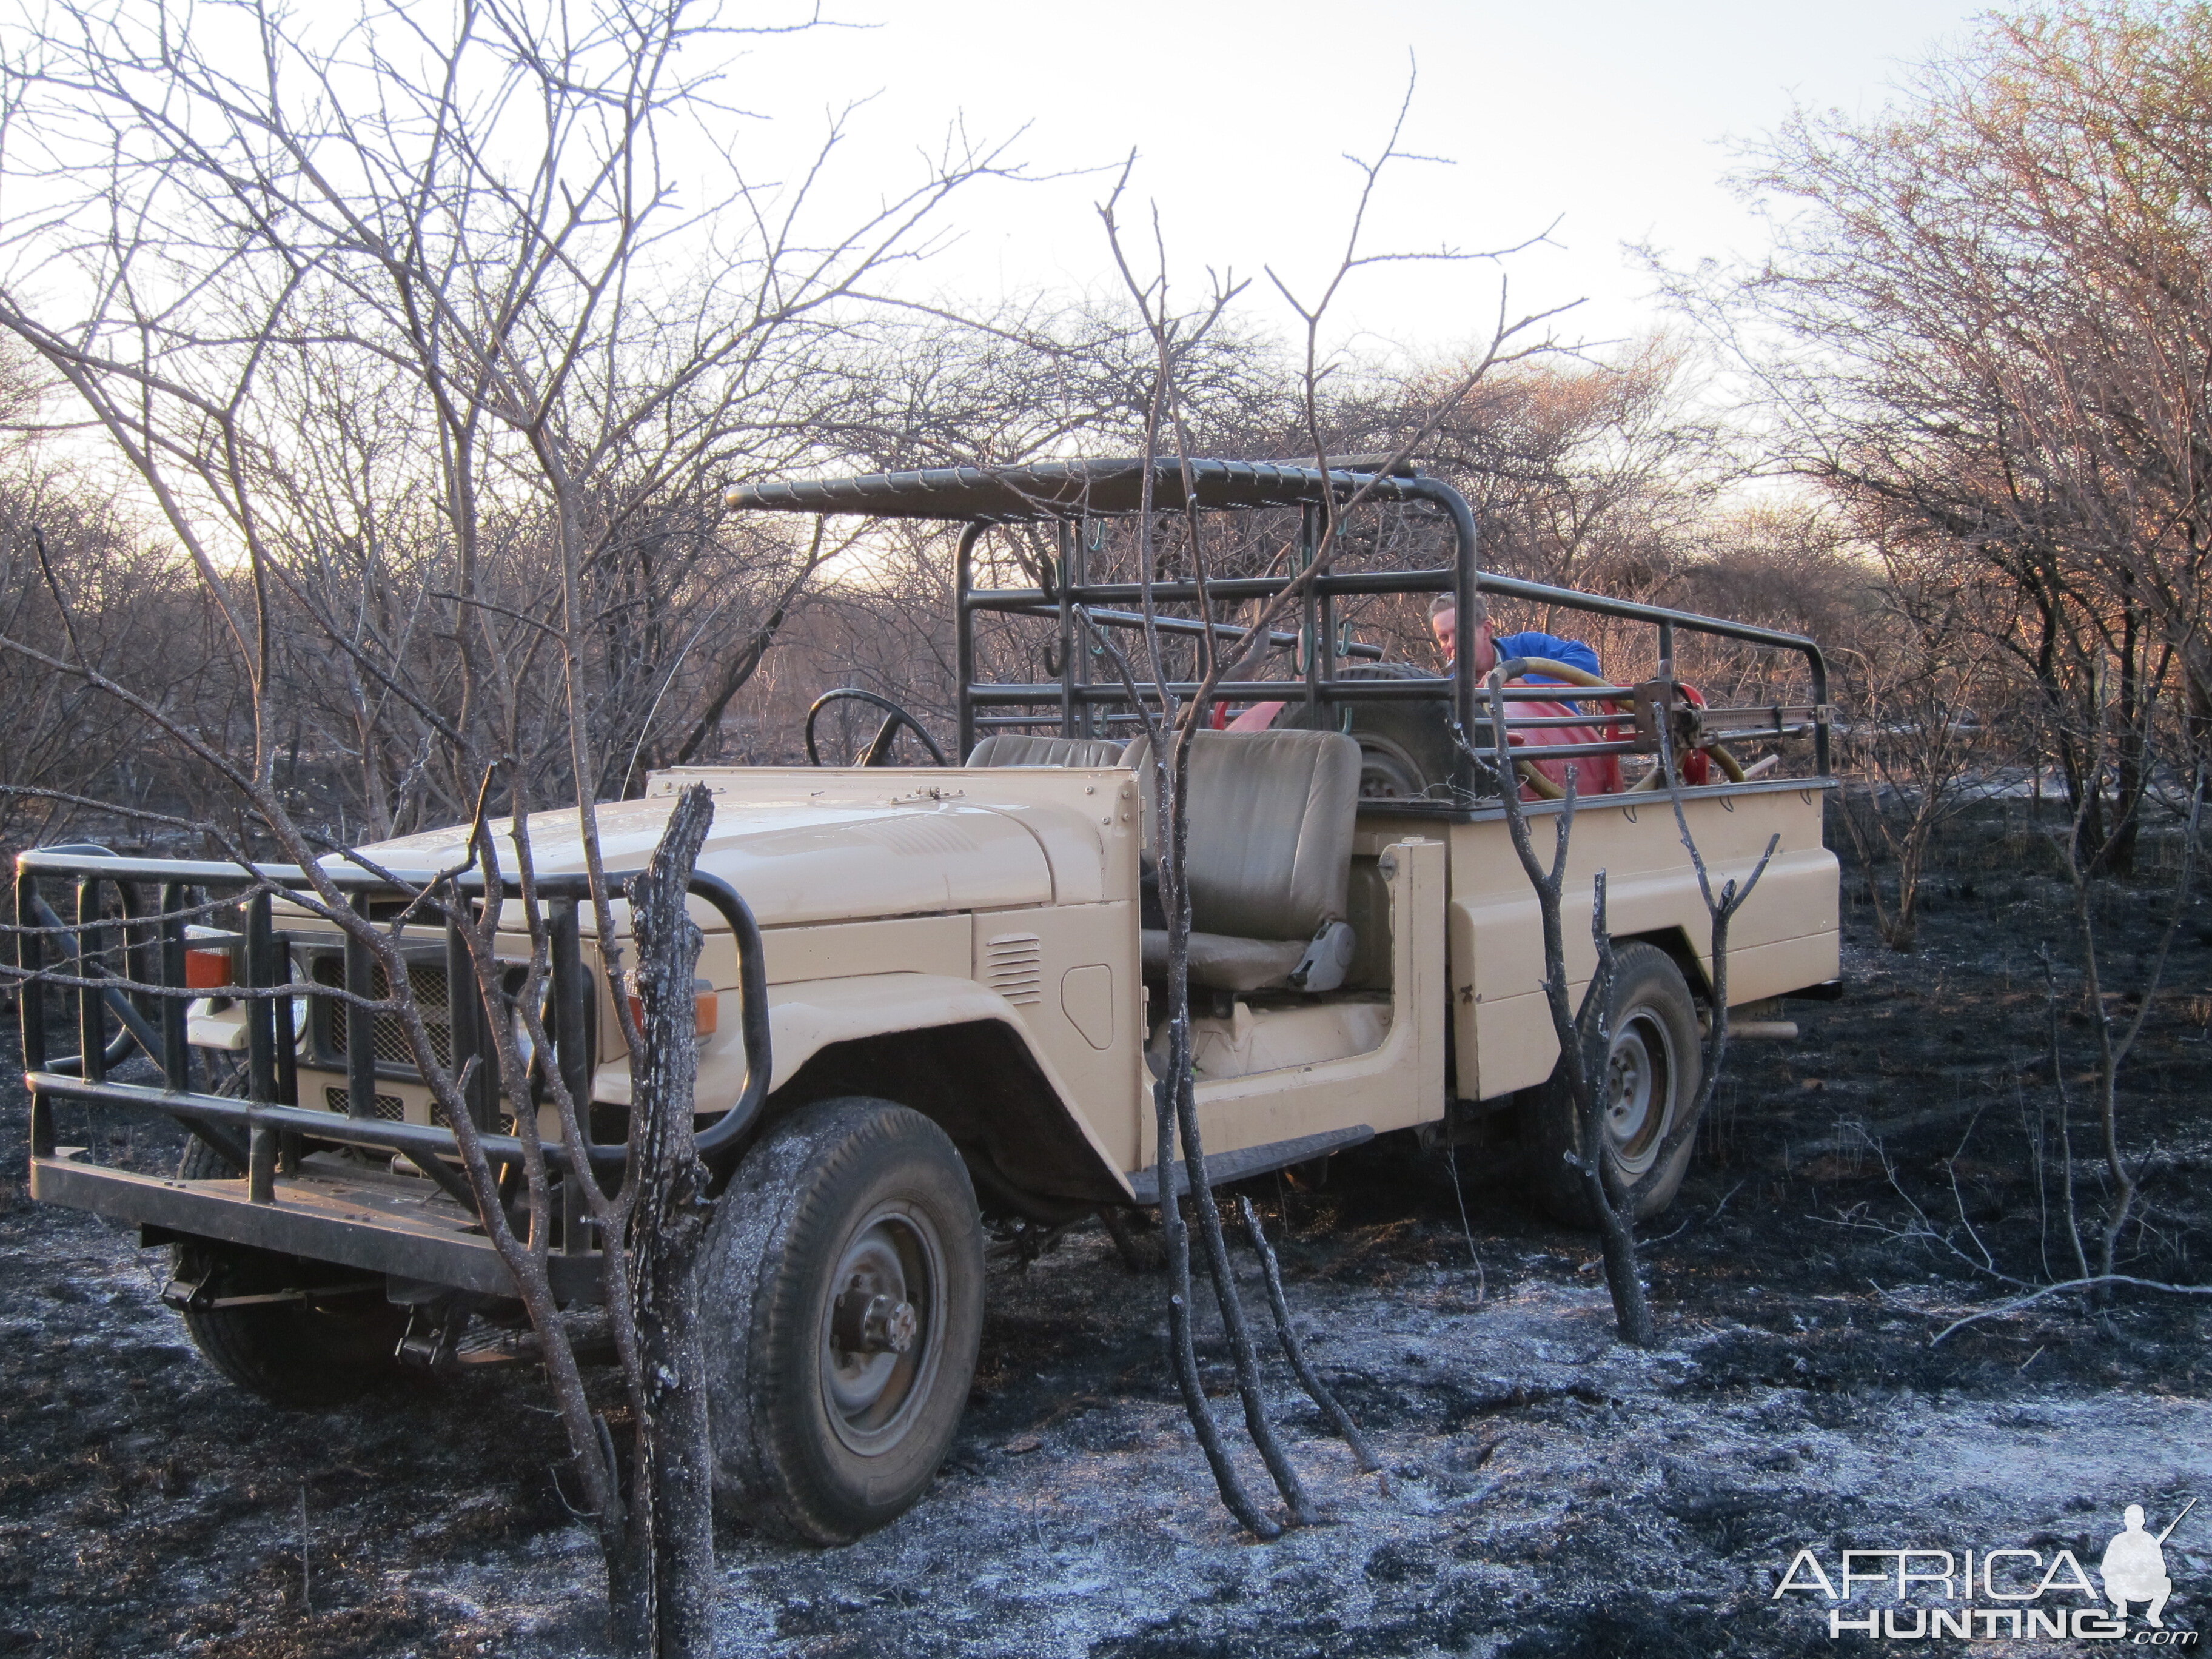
311,1123
726,1130
111,988
1562,751
1440,580
30,963
1226,590
176,1052
357,968
1191,626
260,1025
1335,690
144,919
91,1024
202,873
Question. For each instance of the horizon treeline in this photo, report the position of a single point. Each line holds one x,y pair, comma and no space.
309,460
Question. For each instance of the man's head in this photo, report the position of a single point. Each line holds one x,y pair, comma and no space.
1444,623
2133,1517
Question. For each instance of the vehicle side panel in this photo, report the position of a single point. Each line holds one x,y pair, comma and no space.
809,1018
909,945
1784,939
1070,974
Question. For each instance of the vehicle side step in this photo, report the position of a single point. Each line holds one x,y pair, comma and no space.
1221,1168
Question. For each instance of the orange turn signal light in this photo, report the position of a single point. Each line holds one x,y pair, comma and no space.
706,1008
206,971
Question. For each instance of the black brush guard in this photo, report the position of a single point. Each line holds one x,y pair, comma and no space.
286,1198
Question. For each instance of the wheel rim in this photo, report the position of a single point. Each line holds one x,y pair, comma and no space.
883,1328
1639,1091
1387,771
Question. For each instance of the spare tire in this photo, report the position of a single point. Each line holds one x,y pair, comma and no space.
1406,749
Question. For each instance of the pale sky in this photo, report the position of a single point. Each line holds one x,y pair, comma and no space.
1611,118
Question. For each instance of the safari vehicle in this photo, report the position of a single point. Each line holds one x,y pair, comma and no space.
930,989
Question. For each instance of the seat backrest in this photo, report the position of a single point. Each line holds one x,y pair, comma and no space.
1271,816
1021,749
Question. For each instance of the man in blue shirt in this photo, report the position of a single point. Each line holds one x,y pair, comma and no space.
1594,774
1443,622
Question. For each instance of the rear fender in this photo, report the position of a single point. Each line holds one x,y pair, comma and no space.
1676,944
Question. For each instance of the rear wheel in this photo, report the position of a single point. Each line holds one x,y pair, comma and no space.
1651,1077
307,1350
841,1306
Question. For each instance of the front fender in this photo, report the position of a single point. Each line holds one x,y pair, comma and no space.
813,1017
807,1018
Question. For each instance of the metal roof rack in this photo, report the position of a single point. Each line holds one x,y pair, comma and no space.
1057,490
1065,494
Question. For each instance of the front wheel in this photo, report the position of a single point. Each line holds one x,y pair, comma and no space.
842,1302
1651,1076
277,1326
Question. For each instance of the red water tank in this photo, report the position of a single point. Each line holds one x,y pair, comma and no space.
1594,774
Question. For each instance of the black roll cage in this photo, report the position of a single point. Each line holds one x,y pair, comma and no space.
1068,494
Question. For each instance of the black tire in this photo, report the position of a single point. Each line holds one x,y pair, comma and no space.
815,1435
1652,1078
301,1354
1404,748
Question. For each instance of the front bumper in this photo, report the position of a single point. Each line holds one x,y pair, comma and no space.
357,1218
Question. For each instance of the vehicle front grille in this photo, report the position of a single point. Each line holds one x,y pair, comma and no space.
387,1036
507,1124
393,1110
390,1108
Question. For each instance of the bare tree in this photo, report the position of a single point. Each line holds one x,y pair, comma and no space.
1162,538
1922,679
431,367
74,573
433,395
1585,473
671,1481
2092,1230
2115,1040
1022,384
1584,1035
1986,321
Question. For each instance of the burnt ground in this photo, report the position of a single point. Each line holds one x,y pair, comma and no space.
1550,1491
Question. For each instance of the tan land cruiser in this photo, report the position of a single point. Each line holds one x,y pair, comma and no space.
930,989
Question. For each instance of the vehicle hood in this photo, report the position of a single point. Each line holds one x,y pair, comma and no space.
795,861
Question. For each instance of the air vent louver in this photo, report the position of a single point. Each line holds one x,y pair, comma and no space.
1013,966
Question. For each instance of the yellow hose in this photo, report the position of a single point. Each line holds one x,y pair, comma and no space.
1552,670
1545,788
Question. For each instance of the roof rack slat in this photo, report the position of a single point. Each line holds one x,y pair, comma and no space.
1051,490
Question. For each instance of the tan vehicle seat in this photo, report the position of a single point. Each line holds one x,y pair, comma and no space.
1021,749
1269,854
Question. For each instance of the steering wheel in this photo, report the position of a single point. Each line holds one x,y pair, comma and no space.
878,752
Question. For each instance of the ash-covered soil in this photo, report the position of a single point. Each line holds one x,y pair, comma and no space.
1550,1491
